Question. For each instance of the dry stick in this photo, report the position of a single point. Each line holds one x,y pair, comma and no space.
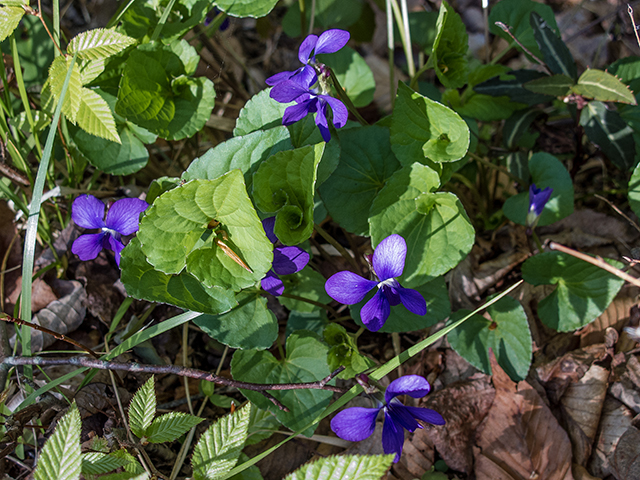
178,370
597,261
507,30
59,336
633,22
619,212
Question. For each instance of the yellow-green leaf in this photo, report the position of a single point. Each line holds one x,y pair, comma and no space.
95,117
57,75
604,87
9,19
99,43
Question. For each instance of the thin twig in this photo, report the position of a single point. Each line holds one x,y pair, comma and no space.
597,261
59,336
180,371
619,212
633,22
507,30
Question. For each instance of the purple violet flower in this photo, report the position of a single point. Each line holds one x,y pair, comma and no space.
286,260
537,200
328,42
122,219
309,100
357,423
388,263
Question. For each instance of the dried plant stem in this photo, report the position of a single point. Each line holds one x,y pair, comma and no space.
633,22
597,261
507,30
177,370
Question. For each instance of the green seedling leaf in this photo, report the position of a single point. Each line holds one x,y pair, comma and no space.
512,85
604,87
168,427
634,191
353,73
583,290
435,226
158,93
555,85
422,128
160,185
143,282
142,409
306,284
449,52
555,52
98,43
250,325
97,463
245,152
546,171
305,361
306,132
516,14
345,467
504,329
611,133
366,163
261,112
219,447
73,97
61,458
142,17
95,117
343,351
184,226
246,8
401,320
284,185
9,19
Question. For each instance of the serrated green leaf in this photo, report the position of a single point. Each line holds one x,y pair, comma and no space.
627,69
73,97
219,447
516,14
555,85
435,226
555,52
250,325
604,87
97,463
98,43
91,69
353,73
61,458
546,171
345,467
175,233
95,117
143,282
261,112
583,290
449,53
168,427
305,361
610,132
142,408
9,19
246,8
284,185
307,284
366,163
506,332
422,128
15,3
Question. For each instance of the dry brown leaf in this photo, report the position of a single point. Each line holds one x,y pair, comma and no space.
581,473
598,225
625,464
582,404
614,421
616,315
626,387
418,455
520,439
463,405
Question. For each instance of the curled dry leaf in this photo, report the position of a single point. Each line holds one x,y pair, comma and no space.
625,464
626,386
520,438
614,421
581,405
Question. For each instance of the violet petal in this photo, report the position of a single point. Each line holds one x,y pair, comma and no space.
321,121
375,312
413,385
392,294
117,246
88,212
297,112
413,301
340,112
401,416
538,198
288,260
268,224
87,247
355,424
272,284
426,415
306,48
348,288
279,78
331,41
392,437
389,257
124,215
287,91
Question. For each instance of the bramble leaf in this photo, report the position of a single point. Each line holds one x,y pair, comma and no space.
168,427
9,19
61,458
142,408
345,467
98,43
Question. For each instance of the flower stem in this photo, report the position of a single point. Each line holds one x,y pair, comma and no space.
345,99
323,233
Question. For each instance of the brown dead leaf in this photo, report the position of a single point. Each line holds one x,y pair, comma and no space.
597,224
581,473
581,405
626,386
418,455
463,405
616,315
614,421
625,464
520,439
